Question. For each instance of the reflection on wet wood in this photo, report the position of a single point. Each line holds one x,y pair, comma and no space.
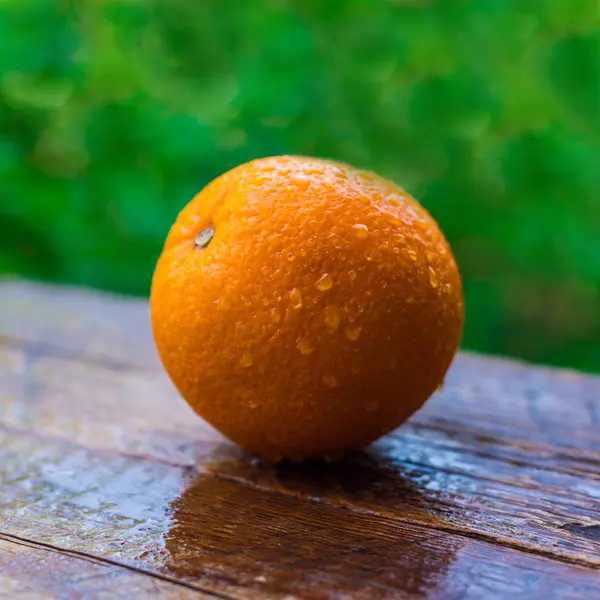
492,490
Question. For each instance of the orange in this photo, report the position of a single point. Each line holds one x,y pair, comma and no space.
304,308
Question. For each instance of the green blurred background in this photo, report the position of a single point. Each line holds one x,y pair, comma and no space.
114,113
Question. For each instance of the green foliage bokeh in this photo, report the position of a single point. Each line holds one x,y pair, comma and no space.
114,113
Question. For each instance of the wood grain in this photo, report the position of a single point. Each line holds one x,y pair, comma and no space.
491,490
39,573
481,486
227,538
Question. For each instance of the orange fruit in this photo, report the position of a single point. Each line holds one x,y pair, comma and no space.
304,308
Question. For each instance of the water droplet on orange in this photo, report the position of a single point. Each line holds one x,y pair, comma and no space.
304,346
324,283
361,231
296,298
246,360
332,317
302,181
352,274
432,278
353,332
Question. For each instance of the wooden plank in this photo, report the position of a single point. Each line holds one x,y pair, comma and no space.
512,495
226,537
98,326
506,488
494,465
537,490
38,573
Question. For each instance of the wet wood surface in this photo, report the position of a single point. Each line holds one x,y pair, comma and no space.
111,487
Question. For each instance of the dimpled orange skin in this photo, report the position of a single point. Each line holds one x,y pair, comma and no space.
325,310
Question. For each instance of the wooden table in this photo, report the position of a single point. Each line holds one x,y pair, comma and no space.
110,487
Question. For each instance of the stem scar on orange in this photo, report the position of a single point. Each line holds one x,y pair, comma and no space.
305,308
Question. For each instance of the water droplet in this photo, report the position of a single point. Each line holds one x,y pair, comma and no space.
332,317
384,284
371,406
290,256
432,278
296,298
352,274
361,231
324,283
412,255
410,300
439,388
336,243
302,181
369,256
330,381
396,250
360,308
246,360
353,332
367,177
252,404
304,346
274,315
204,237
